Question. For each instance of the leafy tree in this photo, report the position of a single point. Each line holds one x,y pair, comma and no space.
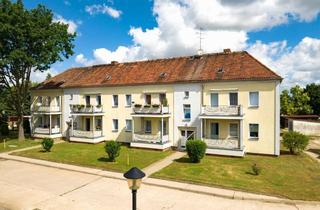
29,41
313,90
48,76
294,141
295,102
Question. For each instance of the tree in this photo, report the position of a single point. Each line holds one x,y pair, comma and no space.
48,76
313,90
295,102
29,41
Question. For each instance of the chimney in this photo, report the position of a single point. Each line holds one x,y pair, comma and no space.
226,51
114,62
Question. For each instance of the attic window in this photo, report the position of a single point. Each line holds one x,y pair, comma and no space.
163,75
108,77
220,70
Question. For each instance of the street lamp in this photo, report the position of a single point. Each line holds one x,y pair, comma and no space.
134,177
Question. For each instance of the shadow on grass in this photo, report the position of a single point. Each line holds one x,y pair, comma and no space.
250,173
183,160
285,152
105,159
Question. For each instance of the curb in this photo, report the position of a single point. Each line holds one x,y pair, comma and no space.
182,186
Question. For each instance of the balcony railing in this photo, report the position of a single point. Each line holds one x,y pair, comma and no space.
40,108
86,134
40,130
222,143
86,109
150,138
150,109
223,110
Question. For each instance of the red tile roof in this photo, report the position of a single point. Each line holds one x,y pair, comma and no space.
205,68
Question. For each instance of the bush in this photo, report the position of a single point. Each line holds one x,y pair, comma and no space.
256,169
26,126
196,150
47,144
4,130
112,148
294,141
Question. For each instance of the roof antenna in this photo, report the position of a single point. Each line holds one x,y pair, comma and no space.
200,50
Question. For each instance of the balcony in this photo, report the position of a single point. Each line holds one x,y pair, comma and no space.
222,111
41,130
48,109
87,136
150,109
150,138
77,108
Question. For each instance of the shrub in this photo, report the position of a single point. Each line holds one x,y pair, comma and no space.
26,126
4,130
112,148
196,150
294,141
47,144
256,169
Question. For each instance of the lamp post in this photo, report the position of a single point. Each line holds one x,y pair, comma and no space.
134,177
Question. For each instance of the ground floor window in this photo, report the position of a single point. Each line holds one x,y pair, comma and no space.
99,124
233,130
254,130
148,127
214,130
128,125
115,125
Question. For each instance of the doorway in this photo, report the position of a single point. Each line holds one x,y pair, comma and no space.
87,124
187,134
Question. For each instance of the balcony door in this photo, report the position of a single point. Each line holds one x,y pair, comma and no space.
214,99
214,130
87,124
233,99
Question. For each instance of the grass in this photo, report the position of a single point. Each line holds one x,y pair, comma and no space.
94,156
290,176
12,143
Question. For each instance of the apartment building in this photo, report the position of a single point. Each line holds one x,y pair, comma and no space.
229,100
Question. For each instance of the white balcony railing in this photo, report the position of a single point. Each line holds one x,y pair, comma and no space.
223,110
150,138
40,108
222,143
41,130
150,109
86,134
86,109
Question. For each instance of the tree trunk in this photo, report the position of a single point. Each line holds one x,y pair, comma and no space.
21,129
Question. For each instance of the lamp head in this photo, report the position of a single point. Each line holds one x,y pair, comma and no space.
134,177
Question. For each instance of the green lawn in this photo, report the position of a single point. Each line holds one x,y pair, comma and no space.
94,156
13,144
290,176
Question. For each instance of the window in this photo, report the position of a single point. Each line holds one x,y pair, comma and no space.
162,98
148,127
254,99
71,96
214,130
186,94
114,125
40,100
128,100
187,111
98,100
99,124
214,99
233,132
57,101
115,100
233,99
164,127
128,125
254,130
148,99
48,101
87,100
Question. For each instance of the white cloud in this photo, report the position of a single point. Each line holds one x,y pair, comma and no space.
41,76
72,26
226,24
103,9
297,65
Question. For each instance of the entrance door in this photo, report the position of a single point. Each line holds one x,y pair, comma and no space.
187,134
87,124
214,130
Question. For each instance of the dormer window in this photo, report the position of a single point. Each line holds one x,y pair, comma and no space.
220,70
163,75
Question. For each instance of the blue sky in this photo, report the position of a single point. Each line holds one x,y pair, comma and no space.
127,30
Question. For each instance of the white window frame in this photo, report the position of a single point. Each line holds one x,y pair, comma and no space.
184,113
114,123
114,101
127,123
128,95
254,106
254,137
237,136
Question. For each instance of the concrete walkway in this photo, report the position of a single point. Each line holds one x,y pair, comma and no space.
157,166
313,149
191,188
31,186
